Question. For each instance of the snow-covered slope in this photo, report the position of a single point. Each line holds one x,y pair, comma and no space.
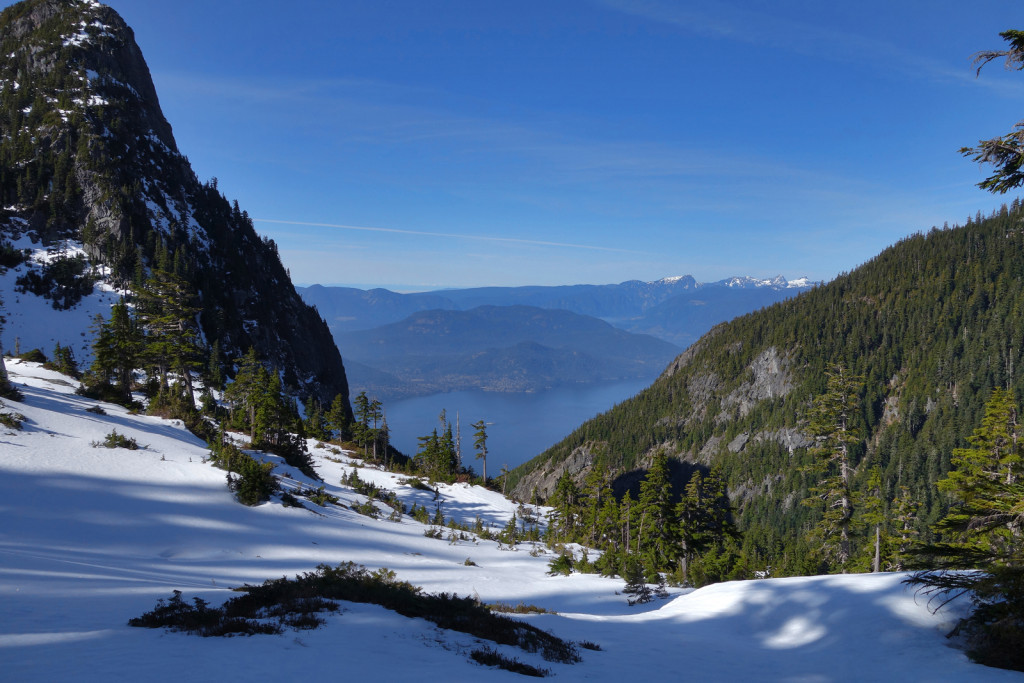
94,536
32,323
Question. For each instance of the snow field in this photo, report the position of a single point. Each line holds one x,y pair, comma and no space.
94,536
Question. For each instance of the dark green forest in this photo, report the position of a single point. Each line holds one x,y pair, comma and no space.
931,326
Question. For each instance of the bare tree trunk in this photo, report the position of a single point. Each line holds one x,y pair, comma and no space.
878,548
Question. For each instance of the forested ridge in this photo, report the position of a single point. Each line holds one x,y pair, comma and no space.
931,326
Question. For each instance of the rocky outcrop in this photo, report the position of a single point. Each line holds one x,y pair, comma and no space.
770,379
542,480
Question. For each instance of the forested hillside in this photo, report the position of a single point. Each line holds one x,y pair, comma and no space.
931,326
88,160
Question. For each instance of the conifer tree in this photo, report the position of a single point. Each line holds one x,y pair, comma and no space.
117,350
7,389
167,314
597,492
984,532
627,507
985,522
361,430
704,517
243,393
832,423
872,515
905,507
636,582
63,360
1005,152
480,444
376,413
214,373
564,517
436,455
656,530
337,419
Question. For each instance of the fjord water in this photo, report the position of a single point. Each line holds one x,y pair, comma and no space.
523,426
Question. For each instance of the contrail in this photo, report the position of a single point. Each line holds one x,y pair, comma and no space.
479,238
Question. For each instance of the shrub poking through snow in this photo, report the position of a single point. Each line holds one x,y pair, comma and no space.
199,619
12,420
319,496
561,565
520,608
296,601
115,440
490,657
252,481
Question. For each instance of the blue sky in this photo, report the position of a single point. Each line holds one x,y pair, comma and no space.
556,142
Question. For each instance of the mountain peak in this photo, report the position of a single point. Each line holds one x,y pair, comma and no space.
685,280
88,156
746,282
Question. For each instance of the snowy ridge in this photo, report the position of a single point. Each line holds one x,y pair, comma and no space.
740,282
93,536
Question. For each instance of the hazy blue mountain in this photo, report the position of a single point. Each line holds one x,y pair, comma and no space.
498,348
676,309
348,308
682,319
623,300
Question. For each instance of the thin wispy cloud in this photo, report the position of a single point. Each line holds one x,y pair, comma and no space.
477,238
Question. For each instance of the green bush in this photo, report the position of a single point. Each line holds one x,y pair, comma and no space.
254,483
490,657
316,591
64,361
11,257
320,497
115,440
12,420
33,356
561,565
199,619
520,608
420,514
367,508
290,501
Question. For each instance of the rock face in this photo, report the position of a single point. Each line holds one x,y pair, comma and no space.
87,155
542,480
770,379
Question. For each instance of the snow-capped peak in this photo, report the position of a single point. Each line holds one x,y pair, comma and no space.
777,282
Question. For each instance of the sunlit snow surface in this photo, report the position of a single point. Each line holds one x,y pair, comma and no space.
92,537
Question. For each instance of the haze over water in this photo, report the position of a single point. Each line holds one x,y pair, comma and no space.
523,426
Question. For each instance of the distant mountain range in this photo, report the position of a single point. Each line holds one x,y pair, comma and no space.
497,348
627,305
528,338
